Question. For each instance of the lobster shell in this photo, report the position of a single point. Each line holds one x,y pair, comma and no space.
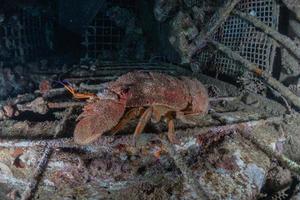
139,89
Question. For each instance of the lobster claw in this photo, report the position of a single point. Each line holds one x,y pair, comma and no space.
97,118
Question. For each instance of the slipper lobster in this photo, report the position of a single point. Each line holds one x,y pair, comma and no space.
148,95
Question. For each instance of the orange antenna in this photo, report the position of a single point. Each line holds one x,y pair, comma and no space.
77,95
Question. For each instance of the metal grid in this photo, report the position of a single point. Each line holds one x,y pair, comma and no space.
10,40
24,37
102,35
36,34
192,3
245,39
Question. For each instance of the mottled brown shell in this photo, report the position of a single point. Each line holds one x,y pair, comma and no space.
150,88
199,95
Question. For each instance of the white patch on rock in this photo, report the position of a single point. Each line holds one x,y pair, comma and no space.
255,174
57,165
230,119
49,183
5,170
30,157
273,146
189,142
238,160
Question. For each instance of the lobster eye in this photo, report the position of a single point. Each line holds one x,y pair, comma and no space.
125,90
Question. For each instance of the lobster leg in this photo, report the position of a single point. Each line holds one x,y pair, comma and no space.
171,129
131,114
159,111
142,122
185,118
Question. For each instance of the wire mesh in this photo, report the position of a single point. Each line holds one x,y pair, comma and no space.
36,34
192,3
102,36
24,37
245,39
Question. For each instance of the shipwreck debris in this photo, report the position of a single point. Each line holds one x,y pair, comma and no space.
244,143
33,184
216,21
256,70
283,40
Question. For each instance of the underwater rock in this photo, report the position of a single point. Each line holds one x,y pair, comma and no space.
163,9
183,30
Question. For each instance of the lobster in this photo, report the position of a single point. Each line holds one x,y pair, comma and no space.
148,95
